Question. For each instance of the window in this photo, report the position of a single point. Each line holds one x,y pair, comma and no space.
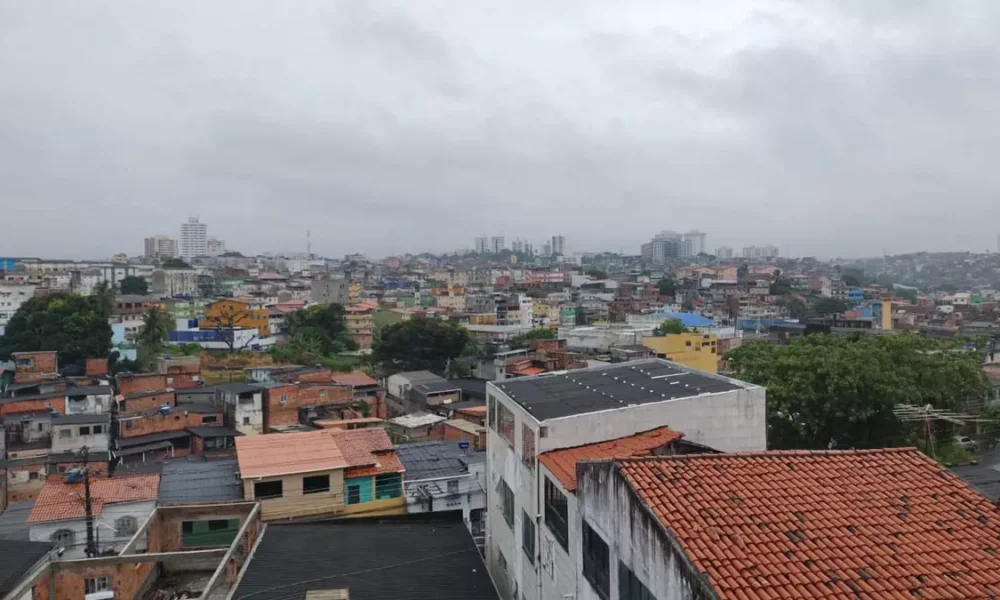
63,537
85,430
33,475
315,484
92,585
353,494
41,427
263,490
528,536
246,420
65,433
125,526
209,419
596,562
389,485
505,423
128,424
629,586
218,525
25,362
452,486
284,399
556,514
507,502
527,446
98,429
492,414
187,527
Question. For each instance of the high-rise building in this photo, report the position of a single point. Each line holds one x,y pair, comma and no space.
723,253
695,240
159,247
558,245
547,249
517,246
482,244
194,238
529,248
760,252
497,244
215,247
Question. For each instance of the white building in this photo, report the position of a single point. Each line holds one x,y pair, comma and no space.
760,252
89,400
12,296
558,245
215,247
72,433
120,505
168,283
497,244
482,245
243,405
724,253
194,239
442,476
160,247
534,415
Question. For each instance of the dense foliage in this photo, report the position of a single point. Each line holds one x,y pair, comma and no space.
538,333
826,390
670,326
134,285
175,263
322,327
667,287
420,344
152,337
74,326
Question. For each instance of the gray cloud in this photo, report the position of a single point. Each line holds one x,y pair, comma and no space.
828,128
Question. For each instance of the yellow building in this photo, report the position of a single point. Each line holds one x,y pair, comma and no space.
233,313
696,350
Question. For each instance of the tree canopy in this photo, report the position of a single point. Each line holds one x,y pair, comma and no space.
596,273
670,326
538,333
72,325
667,286
322,329
420,344
134,285
152,337
828,306
175,263
828,390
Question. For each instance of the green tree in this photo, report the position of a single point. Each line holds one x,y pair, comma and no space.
72,325
670,326
667,286
828,306
420,344
104,297
175,263
795,305
596,273
134,285
828,390
852,277
152,336
324,326
538,333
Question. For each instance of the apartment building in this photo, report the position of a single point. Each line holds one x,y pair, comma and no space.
530,416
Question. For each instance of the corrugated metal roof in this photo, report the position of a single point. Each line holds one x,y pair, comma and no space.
199,480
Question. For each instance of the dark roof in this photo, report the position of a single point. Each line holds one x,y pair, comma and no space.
201,389
471,388
144,448
199,480
16,559
49,396
426,460
81,419
413,557
69,457
126,442
89,390
237,388
198,407
985,480
609,387
208,432
465,404
14,521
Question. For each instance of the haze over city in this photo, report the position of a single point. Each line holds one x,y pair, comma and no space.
828,129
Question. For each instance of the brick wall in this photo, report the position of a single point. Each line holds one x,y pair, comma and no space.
175,420
126,579
477,418
151,402
56,402
96,367
183,380
478,442
442,399
330,393
322,376
130,383
42,364
277,414
375,402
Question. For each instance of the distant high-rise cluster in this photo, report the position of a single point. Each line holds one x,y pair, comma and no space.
497,244
724,253
194,239
670,244
159,247
760,252
482,244
215,247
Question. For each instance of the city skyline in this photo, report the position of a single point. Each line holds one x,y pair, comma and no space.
800,126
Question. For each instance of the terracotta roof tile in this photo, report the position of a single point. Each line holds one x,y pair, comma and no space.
562,462
57,500
874,524
279,454
354,379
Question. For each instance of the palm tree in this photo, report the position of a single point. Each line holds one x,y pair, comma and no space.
153,334
104,297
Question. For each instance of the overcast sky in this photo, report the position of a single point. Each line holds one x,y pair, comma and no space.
825,128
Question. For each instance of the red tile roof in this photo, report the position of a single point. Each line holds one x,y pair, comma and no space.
874,524
57,500
369,451
354,378
286,453
562,462
528,371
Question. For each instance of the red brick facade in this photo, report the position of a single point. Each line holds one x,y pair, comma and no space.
147,403
33,366
56,402
96,367
175,420
328,393
130,383
278,413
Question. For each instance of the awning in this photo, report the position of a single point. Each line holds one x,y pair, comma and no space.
146,448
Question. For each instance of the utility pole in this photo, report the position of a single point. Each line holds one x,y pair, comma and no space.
91,545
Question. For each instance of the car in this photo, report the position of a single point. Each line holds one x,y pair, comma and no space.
964,441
